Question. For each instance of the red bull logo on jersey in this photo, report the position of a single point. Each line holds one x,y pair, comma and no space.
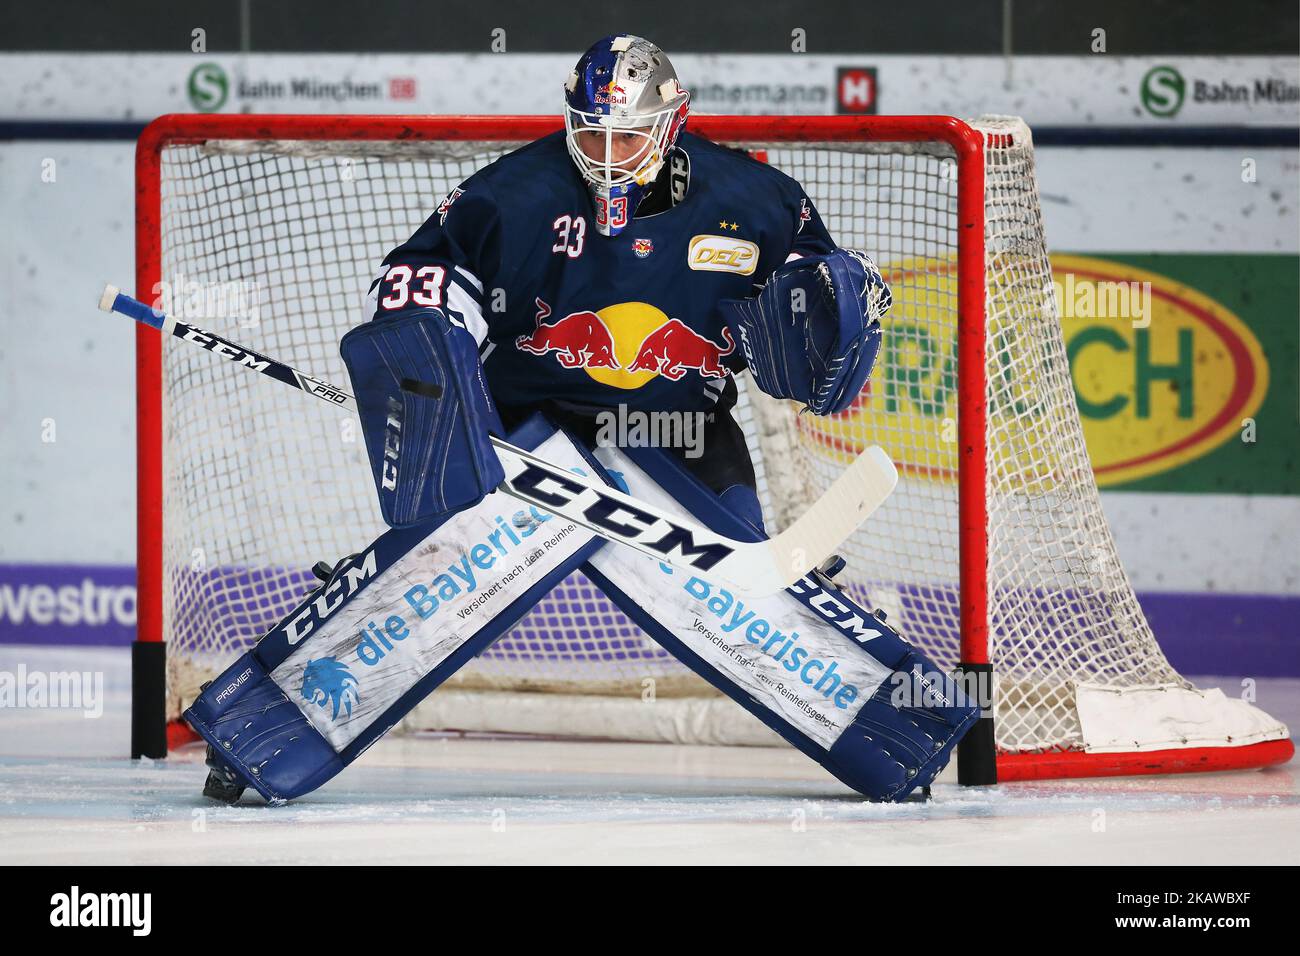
579,340
675,347
642,247
627,345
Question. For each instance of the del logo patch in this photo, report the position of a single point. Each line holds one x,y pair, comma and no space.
722,254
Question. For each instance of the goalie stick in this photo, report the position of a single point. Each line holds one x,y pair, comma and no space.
753,568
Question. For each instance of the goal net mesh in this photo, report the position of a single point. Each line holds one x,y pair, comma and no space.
274,245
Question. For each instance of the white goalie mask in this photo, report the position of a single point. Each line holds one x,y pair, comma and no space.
624,109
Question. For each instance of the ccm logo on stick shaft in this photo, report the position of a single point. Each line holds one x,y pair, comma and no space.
554,489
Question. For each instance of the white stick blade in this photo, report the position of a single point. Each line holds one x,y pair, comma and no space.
849,501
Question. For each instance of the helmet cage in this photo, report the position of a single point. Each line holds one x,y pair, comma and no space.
657,130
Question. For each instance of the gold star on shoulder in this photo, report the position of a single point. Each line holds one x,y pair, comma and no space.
723,224
735,226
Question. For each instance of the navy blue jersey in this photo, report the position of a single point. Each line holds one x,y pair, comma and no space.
564,313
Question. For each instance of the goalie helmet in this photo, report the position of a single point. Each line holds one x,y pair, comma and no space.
623,112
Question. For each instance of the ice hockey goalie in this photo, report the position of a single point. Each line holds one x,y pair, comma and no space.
621,266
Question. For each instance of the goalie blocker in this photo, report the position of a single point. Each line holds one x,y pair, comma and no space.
396,620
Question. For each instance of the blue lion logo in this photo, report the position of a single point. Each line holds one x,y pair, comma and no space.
326,680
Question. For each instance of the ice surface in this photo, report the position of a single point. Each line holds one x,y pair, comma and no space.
68,795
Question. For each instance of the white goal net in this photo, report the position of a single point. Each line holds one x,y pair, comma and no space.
272,243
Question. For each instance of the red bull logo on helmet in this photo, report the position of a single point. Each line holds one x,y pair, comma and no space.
611,93
627,345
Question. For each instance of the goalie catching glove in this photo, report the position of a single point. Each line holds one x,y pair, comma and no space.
812,332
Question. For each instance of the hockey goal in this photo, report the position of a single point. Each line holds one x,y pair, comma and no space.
993,553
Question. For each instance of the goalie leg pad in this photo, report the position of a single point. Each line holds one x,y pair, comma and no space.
391,624
829,677
259,735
